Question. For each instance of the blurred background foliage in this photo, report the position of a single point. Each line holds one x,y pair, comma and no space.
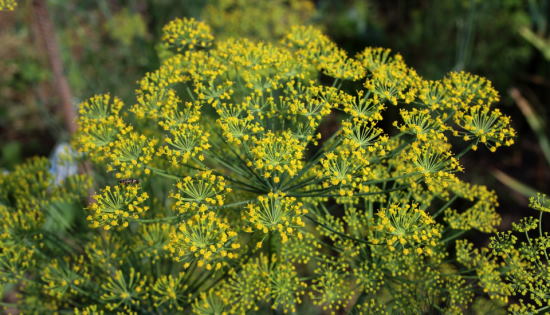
106,43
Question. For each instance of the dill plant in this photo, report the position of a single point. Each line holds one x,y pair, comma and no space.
219,191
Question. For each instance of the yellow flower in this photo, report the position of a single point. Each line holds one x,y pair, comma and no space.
204,239
187,33
116,206
276,212
199,192
7,5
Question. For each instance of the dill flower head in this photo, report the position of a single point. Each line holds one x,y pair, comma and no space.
363,136
99,126
8,5
99,107
96,138
468,89
185,142
509,269
330,289
362,107
276,212
481,215
275,156
434,159
108,251
434,95
204,239
343,170
422,124
238,129
240,17
316,48
155,103
15,261
116,206
393,81
130,155
286,287
64,278
178,115
540,202
200,192
246,287
153,239
486,126
169,291
210,303
374,57
125,290
260,279
525,224
408,229
187,33
369,276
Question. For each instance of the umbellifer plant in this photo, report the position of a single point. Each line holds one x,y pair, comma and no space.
253,177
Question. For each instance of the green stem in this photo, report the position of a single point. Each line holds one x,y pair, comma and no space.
445,206
466,150
452,237
199,283
313,161
540,310
190,93
155,220
163,173
234,204
354,195
540,233
378,181
338,233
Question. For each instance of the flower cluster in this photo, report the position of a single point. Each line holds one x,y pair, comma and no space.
276,212
116,206
124,290
254,174
7,5
187,34
407,229
205,239
99,126
198,193
277,156
510,270
240,17
540,202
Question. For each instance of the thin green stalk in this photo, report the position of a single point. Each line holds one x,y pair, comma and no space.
466,150
234,204
540,233
377,181
452,237
314,159
445,206
198,284
260,179
163,173
190,93
338,233
355,195
155,220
